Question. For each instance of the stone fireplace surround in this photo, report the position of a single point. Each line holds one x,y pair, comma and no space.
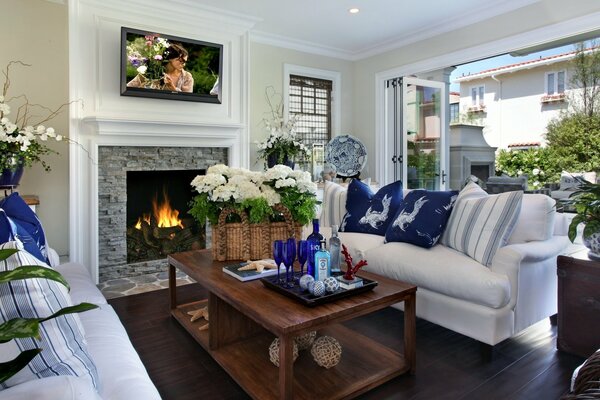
113,164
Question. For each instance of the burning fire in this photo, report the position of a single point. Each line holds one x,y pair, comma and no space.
165,216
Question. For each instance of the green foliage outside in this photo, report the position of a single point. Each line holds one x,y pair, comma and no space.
575,142
28,327
537,163
572,139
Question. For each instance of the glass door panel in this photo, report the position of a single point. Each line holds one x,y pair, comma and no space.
423,131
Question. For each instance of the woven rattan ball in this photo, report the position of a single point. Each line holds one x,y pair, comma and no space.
274,352
305,341
326,351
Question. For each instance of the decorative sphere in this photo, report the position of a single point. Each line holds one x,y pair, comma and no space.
331,284
274,351
304,281
305,341
316,288
326,351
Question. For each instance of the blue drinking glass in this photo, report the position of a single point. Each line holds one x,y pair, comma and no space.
278,248
288,259
302,254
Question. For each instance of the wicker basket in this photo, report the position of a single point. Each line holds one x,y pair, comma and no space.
246,241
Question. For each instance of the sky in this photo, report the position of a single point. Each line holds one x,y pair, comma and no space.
500,61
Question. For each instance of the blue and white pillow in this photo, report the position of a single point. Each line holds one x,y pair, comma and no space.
422,217
370,213
20,223
64,349
480,224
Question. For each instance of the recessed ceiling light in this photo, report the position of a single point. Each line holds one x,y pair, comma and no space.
353,10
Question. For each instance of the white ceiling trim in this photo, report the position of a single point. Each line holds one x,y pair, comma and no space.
300,45
476,15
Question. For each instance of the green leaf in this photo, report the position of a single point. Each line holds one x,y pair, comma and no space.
29,327
5,253
81,307
573,226
32,271
8,369
19,328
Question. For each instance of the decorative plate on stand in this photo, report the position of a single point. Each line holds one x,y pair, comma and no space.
347,154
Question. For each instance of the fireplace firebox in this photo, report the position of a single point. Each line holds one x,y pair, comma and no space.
157,220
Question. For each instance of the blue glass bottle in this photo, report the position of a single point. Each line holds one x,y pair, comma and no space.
322,263
314,244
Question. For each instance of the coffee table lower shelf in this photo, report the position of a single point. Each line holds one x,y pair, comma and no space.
364,365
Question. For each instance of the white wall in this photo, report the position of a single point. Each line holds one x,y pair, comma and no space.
35,32
514,112
266,69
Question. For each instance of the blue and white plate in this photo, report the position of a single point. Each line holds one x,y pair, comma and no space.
347,153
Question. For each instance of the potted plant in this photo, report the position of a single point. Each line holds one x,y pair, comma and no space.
282,144
586,201
28,327
22,140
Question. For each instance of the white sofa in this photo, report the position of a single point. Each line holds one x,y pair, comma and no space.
488,304
121,372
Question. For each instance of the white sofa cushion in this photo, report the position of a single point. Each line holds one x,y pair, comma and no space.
52,388
64,349
124,377
440,269
478,227
358,244
334,204
536,219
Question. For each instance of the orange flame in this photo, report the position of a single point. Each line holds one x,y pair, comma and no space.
164,214
145,218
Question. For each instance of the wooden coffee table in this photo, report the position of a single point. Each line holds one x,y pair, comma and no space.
245,317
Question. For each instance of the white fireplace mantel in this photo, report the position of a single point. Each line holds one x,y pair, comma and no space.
105,118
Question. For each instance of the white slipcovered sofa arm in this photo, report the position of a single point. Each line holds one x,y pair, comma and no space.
536,250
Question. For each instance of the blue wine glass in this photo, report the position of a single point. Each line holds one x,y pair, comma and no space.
278,248
288,259
302,254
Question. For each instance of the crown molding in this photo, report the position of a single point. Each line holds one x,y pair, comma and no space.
300,45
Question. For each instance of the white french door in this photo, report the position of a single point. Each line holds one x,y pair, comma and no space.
416,132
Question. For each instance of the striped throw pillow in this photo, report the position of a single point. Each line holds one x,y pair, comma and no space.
479,226
334,204
64,349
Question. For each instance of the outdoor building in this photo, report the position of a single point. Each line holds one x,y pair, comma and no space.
515,102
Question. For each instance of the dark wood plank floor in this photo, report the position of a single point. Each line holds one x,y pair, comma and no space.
449,365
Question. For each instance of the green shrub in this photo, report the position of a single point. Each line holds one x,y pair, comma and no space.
537,163
575,142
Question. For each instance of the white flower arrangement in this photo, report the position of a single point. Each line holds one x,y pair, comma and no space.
282,140
253,192
21,141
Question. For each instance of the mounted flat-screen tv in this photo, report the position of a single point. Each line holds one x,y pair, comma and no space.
170,67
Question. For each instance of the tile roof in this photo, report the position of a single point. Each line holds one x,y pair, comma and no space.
522,65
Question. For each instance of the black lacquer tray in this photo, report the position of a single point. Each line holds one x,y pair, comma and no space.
304,297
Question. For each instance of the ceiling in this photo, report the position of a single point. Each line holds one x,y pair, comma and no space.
326,26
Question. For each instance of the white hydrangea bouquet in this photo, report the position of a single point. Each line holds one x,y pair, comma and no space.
254,192
282,142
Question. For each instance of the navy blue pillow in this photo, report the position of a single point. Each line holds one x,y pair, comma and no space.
370,213
422,217
20,222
